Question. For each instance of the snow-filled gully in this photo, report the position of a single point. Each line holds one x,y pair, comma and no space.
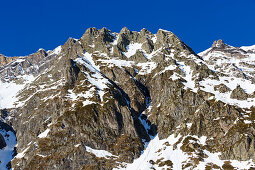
8,152
142,117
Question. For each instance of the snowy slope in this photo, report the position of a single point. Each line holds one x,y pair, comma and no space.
234,67
9,91
167,153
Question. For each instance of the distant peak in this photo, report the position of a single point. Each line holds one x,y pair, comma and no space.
218,44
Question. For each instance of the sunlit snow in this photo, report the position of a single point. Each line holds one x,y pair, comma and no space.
9,91
99,153
44,134
6,154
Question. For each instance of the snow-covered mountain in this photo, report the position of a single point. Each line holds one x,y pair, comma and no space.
129,100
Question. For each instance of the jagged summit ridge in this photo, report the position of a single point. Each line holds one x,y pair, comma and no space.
118,43
122,100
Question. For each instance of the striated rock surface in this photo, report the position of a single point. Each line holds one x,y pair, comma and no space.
131,100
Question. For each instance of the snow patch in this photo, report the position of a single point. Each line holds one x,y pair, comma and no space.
151,153
96,78
164,149
44,134
131,49
22,154
247,121
116,62
99,153
57,50
10,90
146,68
207,85
77,145
188,125
190,83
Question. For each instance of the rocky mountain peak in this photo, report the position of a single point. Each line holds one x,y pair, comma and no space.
129,100
125,30
220,48
145,32
218,44
91,31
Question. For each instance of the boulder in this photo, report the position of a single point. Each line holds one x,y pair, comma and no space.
239,93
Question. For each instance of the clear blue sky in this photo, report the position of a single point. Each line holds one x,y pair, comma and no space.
27,25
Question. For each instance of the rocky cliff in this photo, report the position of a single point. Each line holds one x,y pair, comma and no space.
129,100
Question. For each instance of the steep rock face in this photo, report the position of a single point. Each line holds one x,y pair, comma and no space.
107,118
100,101
6,60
